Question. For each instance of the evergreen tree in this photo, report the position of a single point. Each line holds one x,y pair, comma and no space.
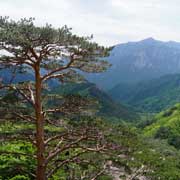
49,53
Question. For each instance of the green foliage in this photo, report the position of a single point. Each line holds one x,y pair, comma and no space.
145,120
159,159
105,178
20,177
14,164
163,133
166,126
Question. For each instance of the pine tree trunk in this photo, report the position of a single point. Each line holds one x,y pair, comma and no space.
40,172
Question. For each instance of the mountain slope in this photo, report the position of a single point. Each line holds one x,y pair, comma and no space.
7,74
151,96
108,107
166,126
137,61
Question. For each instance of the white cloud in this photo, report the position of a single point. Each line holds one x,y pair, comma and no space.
111,21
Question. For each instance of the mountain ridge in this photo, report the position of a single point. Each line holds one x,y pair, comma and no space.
108,107
133,62
149,96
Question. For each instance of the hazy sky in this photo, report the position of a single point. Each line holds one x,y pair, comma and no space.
111,21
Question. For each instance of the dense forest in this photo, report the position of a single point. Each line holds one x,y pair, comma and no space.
56,124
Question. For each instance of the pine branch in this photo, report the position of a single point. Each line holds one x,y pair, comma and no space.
68,65
25,96
55,138
20,91
58,165
35,55
31,94
59,150
27,118
60,75
99,174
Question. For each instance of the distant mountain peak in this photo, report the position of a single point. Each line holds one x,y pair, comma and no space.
141,60
149,39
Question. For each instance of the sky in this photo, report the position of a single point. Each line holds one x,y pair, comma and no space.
110,21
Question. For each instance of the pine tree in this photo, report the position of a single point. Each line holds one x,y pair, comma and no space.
48,53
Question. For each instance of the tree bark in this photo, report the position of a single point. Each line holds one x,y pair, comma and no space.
41,168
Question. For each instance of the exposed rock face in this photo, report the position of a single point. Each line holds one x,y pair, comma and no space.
137,61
